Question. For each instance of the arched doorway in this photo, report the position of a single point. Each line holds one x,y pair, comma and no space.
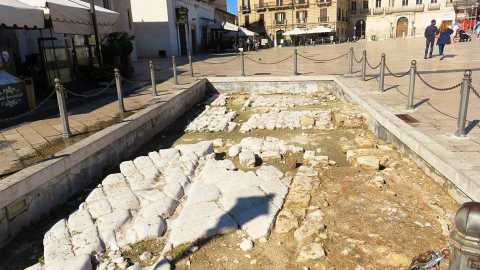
402,27
359,30
279,37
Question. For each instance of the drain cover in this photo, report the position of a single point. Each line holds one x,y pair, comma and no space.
407,118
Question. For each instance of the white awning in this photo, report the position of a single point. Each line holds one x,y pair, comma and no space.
229,26
319,30
295,32
246,32
73,16
14,13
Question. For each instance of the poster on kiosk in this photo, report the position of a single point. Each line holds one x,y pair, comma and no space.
13,100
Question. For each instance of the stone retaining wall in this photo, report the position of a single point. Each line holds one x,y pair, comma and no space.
30,194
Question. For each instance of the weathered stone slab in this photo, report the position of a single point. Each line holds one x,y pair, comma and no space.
119,193
57,246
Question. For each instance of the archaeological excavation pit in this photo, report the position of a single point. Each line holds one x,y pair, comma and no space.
259,176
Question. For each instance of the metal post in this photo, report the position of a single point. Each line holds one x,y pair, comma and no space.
98,46
462,112
381,80
350,57
191,65
411,86
62,108
174,64
243,63
295,62
152,78
364,65
118,83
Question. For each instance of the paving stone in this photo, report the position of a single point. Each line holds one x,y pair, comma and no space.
213,119
80,262
97,203
57,246
144,228
234,150
288,119
146,167
108,225
135,179
173,190
247,158
118,192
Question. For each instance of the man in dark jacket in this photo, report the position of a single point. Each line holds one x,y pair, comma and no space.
430,32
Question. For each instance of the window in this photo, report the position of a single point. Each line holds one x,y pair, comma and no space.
279,3
434,1
302,16
246,20
280,18
391,3
106,4
404,2
354,6
365,5
338,14
300,2
129,16
323,15
378,3
419,2
262,18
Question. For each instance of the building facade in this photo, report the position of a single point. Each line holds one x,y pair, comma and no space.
384,19
171,27
272,18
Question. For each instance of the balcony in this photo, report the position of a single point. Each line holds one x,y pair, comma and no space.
275,5
323,19
300,3
322,3
434,6
245,9
415,8
280,23
261,6
377,11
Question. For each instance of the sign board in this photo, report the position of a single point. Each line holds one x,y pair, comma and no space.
13,100
181,14
264,41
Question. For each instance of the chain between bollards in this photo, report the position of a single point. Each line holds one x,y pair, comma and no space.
243,63
381,79
190,62
364,65
463,110
174,68
295,62
118,83
152,77
411,85
350,57
62,108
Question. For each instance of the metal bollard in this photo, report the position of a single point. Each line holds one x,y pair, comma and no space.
462,112
295,62
174,64
350,57
62,108
381,80
411,86
191,65
364,65
152,77
243,63
118,83
464,238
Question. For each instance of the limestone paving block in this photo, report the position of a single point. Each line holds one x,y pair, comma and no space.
200,192
144,228
134,177
81,262
83,233
173,190
164,208
119,193
199,221
247,158
108,225
97,203
165,157
200,149
176,175
234,150
146,167
56,243
257,222
213,119
318,119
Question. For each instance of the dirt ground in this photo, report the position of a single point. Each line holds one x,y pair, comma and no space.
375,219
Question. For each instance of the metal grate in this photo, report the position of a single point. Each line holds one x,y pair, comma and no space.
407,118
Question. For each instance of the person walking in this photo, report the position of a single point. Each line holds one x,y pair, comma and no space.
444,39
430,32
477,29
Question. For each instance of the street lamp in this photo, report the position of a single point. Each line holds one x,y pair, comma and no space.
361,30
354,32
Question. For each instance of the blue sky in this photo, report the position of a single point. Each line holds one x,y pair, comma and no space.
232,6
